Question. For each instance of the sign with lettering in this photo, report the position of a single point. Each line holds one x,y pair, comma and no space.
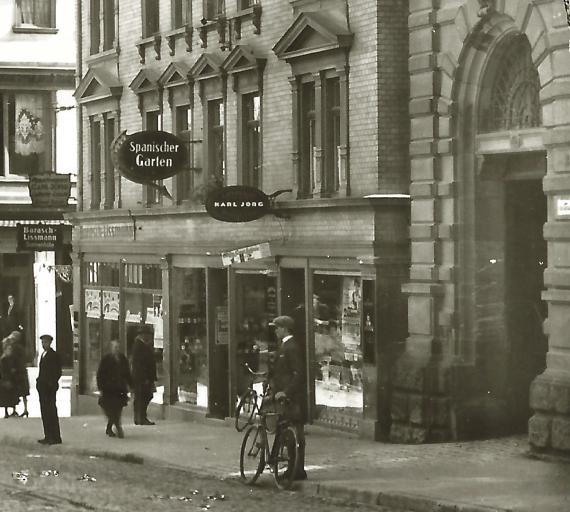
253,252
123,231
48,189
144,157
237,203
38,237
563,206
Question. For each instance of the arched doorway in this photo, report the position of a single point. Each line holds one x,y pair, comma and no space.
510,209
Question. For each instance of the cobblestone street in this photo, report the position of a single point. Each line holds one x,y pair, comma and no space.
121,486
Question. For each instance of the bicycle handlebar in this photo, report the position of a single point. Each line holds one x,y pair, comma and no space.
258,374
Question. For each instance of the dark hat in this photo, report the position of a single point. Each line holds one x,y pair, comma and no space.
48,337
144,329
283,321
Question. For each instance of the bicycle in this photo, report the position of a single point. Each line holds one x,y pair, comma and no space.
249,402
281,458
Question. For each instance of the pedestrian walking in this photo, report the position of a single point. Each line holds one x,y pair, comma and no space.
47,385
22,382
143,373
286,381
113,381
8,394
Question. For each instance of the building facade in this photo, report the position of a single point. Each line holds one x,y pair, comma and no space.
489,292
38,166
306,96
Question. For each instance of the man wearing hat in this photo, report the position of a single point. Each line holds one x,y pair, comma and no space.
286,380
143,374
47,385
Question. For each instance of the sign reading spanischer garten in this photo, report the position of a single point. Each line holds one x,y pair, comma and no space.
144,157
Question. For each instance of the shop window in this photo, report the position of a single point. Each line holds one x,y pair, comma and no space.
33,14
251,140
152,122
257,306
95,162
26,133
181,13
102,25
213,8
150,17
216,161
307,138
337,319
192,347
183,123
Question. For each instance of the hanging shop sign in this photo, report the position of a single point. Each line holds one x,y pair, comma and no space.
237,203
38,237
253,252
48,189
92,303
144,157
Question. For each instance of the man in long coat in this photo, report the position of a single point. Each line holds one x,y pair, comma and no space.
286,380
143,375
47,385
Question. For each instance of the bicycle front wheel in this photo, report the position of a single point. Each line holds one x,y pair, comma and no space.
252,454
245,409
286,450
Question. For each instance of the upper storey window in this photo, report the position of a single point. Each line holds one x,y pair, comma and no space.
150,17
212,9
102,25
34,15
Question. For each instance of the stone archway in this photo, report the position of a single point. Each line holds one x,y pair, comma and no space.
441,381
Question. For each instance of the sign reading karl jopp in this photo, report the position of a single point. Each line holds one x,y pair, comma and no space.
147,156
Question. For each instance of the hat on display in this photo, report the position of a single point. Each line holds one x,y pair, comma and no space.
283,321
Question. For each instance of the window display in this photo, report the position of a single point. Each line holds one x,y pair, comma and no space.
192,378
257,306
337,319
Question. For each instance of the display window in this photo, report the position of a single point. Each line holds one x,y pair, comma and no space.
190,305
256,306
338,347
142,296
102,298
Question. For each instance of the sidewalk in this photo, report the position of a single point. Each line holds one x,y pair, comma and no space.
469,477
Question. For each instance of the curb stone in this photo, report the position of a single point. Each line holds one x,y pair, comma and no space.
397,502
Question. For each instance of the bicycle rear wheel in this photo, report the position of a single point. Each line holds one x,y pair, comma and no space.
286,449
252,454
245,409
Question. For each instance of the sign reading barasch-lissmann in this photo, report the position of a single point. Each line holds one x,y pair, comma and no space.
38,237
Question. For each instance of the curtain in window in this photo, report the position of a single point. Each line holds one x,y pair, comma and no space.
30,134
35,12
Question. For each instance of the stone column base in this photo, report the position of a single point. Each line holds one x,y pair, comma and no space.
549,428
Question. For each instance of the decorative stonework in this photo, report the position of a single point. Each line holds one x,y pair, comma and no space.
514,103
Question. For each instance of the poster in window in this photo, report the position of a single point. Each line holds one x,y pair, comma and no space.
93,303
221,325
110,305
351,304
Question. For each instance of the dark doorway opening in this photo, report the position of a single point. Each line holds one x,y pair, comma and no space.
525,261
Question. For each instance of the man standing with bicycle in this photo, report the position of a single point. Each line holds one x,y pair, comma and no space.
286,381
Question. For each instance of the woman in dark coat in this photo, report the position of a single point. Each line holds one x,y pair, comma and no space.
8,392
21,380
113,381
